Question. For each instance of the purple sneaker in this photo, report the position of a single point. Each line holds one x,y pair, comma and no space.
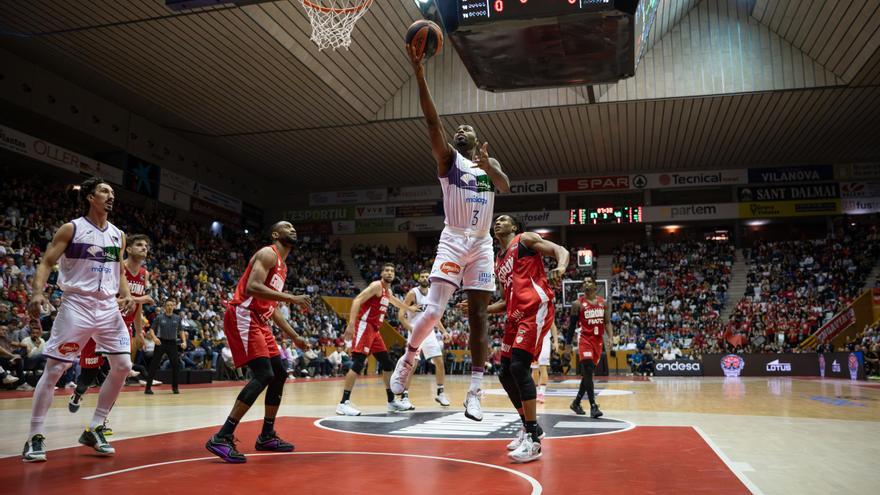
273,444
224,448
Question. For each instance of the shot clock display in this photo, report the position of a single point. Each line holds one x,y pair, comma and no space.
605,215
481,11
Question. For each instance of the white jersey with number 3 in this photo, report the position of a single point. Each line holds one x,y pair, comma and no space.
468,196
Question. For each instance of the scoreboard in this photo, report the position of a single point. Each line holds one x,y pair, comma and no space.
481,11
605,215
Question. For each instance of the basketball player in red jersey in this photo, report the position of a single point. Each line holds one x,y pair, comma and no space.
592,316
138,281
246,325
367,314
528,302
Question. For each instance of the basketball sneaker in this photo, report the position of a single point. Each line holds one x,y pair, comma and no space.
224,448
594,411
402,370
528,451
398,406
74,403
576,407
34,449
472,407
94,438
273,443
108,432
347,409
407,404
442,399
515,443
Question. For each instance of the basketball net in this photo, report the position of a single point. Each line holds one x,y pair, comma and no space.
333,20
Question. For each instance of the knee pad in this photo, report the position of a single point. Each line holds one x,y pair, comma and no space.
520,369
358,361
262,370
384,361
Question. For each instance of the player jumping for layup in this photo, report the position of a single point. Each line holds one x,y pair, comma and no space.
592,316
468,177
246,325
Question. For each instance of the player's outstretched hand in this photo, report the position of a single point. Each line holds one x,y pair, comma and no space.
36,302
301,301
416,59
483,157
302,343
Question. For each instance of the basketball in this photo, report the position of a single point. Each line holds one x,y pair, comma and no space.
426,37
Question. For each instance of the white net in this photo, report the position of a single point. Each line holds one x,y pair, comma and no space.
333,20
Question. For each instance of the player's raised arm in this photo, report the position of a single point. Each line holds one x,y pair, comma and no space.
56,248
441,149
544,247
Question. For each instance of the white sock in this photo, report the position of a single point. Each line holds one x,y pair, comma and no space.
476,378
120,365
541,389
423,324
44,393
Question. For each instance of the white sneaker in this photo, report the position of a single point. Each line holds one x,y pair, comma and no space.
24,387
442,400
347,409
157,382
133,373
515,443
407,404
398,406
9,379
472,407
34,450
528,451
402,370
70,385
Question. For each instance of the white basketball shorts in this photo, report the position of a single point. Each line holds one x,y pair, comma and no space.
81,318
465,260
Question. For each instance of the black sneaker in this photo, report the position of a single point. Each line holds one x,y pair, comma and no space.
148,391
74,403
594,411
576,407
34,451
273,443
175,391
94,438
224,448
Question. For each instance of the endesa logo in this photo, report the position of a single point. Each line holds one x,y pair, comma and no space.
68,348
776,366
676,366
732,365
450,268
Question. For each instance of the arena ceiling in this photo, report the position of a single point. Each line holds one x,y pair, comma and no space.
724,84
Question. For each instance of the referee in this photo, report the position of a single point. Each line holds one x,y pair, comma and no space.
168,328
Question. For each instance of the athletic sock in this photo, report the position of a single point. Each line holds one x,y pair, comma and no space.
476,378
390,394
228,427
542,389
346,395
532,430
268,427
439,389
405,394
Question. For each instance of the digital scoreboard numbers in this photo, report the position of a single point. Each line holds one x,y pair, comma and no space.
605,215
484,11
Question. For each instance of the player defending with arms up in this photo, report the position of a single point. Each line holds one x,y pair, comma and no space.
246,325
468,177
592,316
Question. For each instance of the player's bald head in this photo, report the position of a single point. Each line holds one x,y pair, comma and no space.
284,232
279,226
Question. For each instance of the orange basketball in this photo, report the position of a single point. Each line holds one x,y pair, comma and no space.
426,37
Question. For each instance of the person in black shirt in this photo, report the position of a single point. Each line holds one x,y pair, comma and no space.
168,328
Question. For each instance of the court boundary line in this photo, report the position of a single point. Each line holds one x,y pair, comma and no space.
749,484
537,488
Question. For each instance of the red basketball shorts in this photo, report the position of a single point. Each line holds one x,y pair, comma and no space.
248,337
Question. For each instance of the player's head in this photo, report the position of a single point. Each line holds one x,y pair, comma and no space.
590,285
464,139
137,246
424,278
507,225
387,274
96,194
284,233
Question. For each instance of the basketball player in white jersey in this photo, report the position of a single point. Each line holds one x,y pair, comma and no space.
464,259
432,346
88,251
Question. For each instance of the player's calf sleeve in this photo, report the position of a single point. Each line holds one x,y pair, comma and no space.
44,392
520,368
385,363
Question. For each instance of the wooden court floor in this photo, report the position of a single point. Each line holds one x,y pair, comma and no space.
659,435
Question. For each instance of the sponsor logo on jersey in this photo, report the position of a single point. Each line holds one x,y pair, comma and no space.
732,365
450,268
68,348
485,277
475,199
92,361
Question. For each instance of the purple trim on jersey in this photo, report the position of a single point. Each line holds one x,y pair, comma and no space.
80,250
95,226
453,159
456,178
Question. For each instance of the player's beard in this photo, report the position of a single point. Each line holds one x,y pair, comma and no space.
287,241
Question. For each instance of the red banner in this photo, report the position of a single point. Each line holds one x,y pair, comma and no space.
839,323
876,296
608,183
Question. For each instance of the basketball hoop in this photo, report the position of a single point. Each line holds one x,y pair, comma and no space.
333,20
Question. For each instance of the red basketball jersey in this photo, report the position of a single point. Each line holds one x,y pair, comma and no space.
373,311
262,308
137,285
523,279
591,319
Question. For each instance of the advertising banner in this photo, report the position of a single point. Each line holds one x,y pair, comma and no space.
535,219
176,181
805,173
364,196
414,193
344,227
716,211
142,177
857,171
789,193
839,323
320,214
606,183
418,210
378,211
25,144
217,198
373,226
534,186
830,365
420,224
690,179
174,198
789,208
678,367
859,190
